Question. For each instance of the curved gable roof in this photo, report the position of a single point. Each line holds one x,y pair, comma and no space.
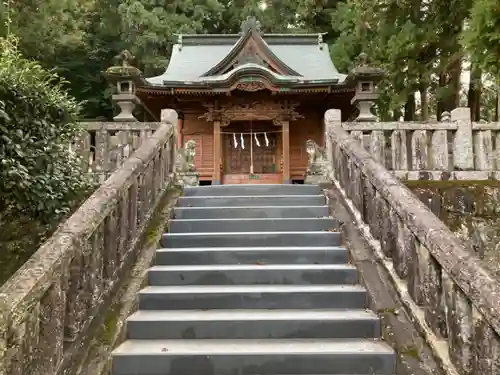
196,58
244,44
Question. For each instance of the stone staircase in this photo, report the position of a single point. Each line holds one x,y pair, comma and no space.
253,280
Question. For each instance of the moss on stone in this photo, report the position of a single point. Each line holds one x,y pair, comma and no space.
387,310
471,209
109,327
410,351
159,220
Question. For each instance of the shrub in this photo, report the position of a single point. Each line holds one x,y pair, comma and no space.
40,176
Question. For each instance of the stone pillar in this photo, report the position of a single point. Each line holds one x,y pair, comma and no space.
333,119
285,138
126,103
217,153
463,154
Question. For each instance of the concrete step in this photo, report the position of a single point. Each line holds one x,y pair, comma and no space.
253,357
251,225
322,238
252,212
252,297
252,255
303,274
263,200
249,190
252,324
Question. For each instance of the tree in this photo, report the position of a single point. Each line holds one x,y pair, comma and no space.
482,36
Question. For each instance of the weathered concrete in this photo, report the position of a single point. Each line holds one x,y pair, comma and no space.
112,324
251,190
238,212
322,238
471,209
246,201
276,310
49,308
252,225
452,297
114,143
253,255
260,324
413,354
422,150
252,274
252,297
253,357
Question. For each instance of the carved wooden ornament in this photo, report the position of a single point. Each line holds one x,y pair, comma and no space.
274,111
251,86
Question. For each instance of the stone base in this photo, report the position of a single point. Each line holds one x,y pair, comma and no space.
319,180
188,179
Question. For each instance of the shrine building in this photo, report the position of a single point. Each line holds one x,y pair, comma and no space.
251,101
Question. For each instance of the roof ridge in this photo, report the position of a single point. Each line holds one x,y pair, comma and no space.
211,39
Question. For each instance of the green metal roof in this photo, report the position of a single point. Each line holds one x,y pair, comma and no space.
195,55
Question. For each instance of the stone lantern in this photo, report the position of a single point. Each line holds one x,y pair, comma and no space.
124,77
365,79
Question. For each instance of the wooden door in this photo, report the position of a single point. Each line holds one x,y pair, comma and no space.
238,156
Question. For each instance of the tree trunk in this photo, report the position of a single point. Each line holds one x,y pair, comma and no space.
410,108
424,102
440,108
396,115
455,85
497,109
474,94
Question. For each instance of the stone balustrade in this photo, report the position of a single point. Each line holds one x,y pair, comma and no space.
48,307
106,145
446,289
455,148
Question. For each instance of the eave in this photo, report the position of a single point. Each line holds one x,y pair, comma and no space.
172,91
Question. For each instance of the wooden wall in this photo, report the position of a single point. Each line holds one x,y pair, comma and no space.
202,133
309,127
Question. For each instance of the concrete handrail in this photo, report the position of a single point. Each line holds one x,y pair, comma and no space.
457,295
48,305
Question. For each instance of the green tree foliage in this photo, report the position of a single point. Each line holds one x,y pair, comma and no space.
417,42
482,36
40,176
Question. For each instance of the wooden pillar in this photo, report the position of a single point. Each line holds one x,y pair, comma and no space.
286,151
217,153
180,138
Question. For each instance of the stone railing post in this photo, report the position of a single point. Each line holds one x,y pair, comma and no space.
399,150
439,146
333,119
170,116
463,153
